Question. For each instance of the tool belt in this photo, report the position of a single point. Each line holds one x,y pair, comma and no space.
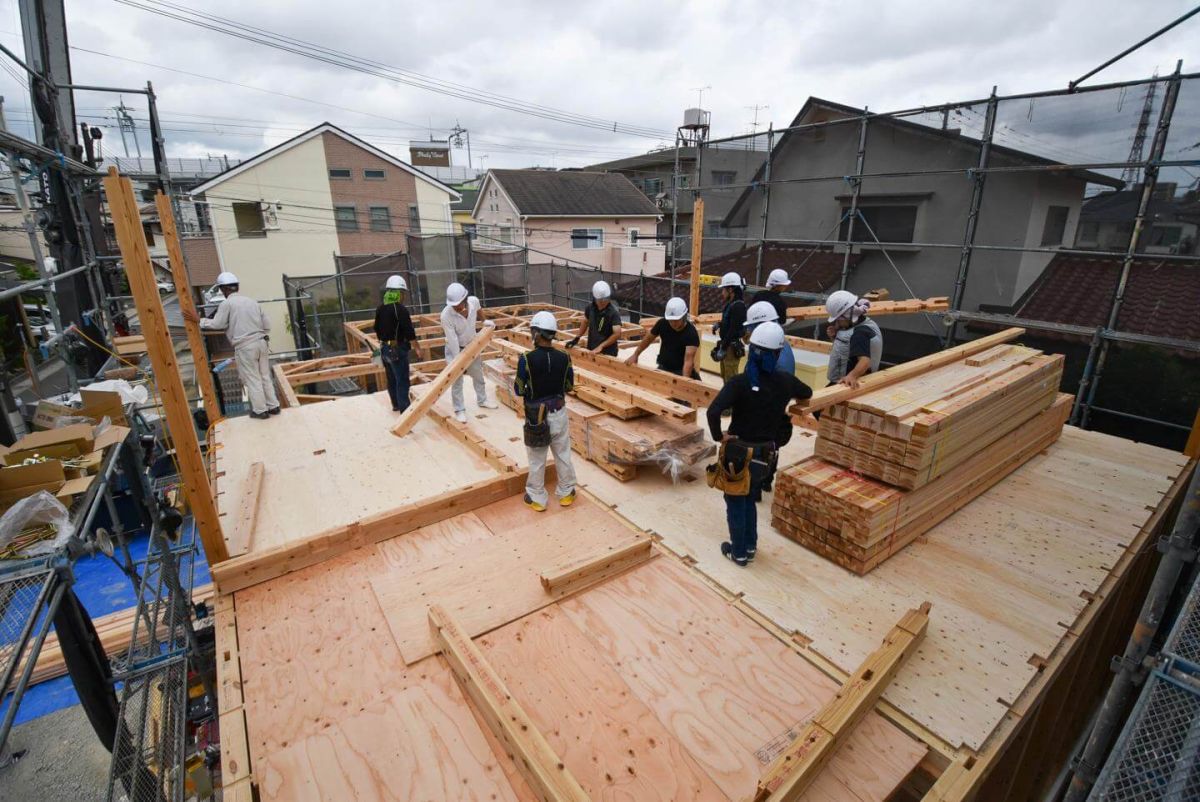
731,473
537,428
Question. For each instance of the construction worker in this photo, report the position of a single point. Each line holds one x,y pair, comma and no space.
759,397
763,312
679,338
458,326
601,322
246,326
777,283
544,377
857,341
729,349
397,339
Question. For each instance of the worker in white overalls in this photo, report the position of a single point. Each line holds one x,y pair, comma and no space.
458,326
544,377
857,341
246,326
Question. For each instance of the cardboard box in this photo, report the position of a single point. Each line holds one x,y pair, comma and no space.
69,441
99,404
20,481
48,412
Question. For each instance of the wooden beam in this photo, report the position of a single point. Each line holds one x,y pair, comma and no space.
310,398
801,314
343,372
452,371
183,290
255,567
131,238
592,568
697,254
544,771
837,393
463,433
241,534
793,771
283,388
1192,449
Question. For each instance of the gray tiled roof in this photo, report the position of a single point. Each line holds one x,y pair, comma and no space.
564,194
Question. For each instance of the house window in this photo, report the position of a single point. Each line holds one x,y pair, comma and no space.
506,235
890,224
633,236
374,175
340,172
346,218
381,218
683,181
723,178
653,186
148,230
248,218
1165,236
715,229
587,238
1088,232
414,218
1056,225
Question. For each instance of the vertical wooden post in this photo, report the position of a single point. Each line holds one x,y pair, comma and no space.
127,223
183,290
697,251
1192,449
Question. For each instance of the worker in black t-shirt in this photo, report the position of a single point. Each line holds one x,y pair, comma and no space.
601,322
759,397
679,338
397,339
777,283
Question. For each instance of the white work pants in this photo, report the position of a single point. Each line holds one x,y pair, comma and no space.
475,371
560,444
254,369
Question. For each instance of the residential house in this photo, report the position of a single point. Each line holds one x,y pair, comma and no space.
1106,221
461,210
292,209
585,218
722,165
810,198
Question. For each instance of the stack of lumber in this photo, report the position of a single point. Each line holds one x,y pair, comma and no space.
617,445
911,433
858,522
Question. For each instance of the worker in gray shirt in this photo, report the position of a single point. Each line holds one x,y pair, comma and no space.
247,328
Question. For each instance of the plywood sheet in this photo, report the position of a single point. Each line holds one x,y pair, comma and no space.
329,465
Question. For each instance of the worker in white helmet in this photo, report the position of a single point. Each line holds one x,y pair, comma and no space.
249,331
857,340
544,377
729,349
397,340
758,397
777,283
458,326
763,312
601,322
679,341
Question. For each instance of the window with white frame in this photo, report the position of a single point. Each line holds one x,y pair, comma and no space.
633,236
587,238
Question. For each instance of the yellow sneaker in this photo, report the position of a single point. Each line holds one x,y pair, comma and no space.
568,499
533,505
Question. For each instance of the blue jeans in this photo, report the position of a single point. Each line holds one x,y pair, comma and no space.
741,513
395,365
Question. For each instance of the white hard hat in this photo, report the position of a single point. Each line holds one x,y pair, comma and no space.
396,283
676,309
601,290
769,336
778,278
839,303
731,280
760,312
225,279
455,294
544,321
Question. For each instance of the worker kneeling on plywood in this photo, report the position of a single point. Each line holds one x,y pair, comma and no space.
544,377
246,325
745,467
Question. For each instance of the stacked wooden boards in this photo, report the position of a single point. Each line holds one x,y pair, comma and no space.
891,464
616,444
911,433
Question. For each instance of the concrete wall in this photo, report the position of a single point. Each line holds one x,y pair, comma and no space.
303,245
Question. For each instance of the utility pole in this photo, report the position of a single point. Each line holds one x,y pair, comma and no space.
456,134
756,109
1133,170
125,122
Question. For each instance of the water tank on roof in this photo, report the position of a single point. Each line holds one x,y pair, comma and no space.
696,118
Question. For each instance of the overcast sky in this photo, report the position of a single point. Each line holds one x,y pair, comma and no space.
638,64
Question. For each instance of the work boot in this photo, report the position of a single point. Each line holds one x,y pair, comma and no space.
273,411
750,555
533,505
727,552
488,405
568,499
259,415
460,416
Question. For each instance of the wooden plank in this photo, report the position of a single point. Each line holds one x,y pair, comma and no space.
231,715
465,434
342,372
535,759
312,398
283,388
596,567
131,238
1192,449
241,534
251,569
187,304
839,393
795,770
697,256
448,376
878,309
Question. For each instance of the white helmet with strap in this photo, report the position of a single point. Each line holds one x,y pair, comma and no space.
676,309
732,279
601,290
396,283
455,294
769,336
778,278
226,279
761,312
544,323
839,304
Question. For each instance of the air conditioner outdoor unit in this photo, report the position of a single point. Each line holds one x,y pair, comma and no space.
270,213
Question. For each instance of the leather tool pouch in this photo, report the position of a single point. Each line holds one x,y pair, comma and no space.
537,428
731,472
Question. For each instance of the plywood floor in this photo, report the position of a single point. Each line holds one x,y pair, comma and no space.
650,686
334,463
